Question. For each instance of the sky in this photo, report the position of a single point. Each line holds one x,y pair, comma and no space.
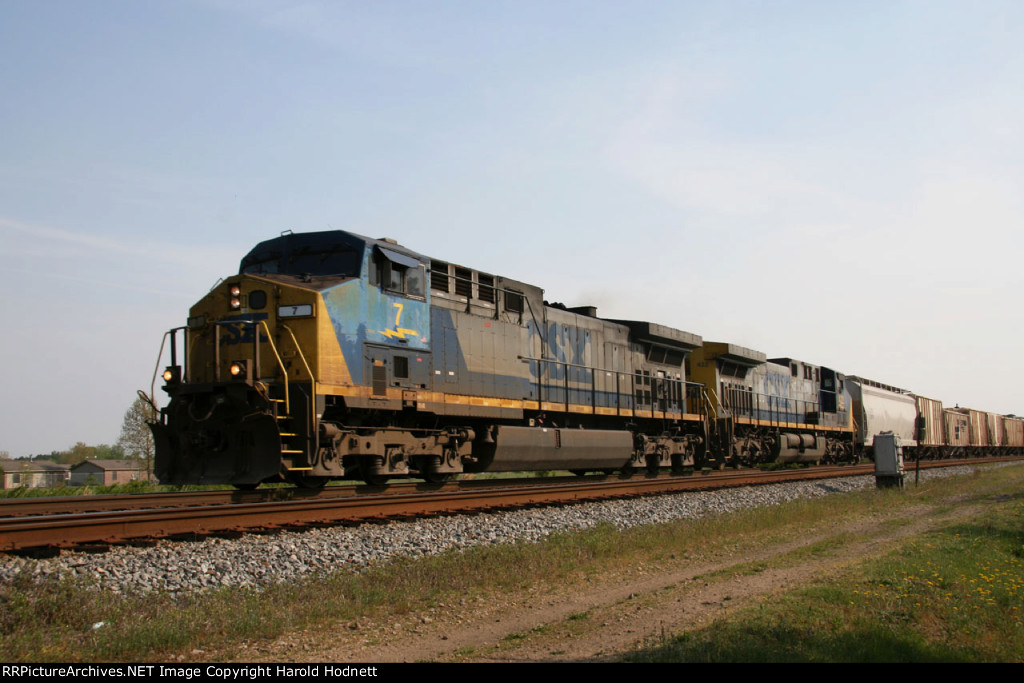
836,182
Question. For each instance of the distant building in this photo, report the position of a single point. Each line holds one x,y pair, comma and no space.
107,472
35,474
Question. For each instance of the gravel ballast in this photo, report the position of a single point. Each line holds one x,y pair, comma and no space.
257,560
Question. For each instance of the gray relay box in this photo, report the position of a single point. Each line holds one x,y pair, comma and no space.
888,460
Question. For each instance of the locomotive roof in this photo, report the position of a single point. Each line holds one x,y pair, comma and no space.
734,352
324,241
660,334
299,244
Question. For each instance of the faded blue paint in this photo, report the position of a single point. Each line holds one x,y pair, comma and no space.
774,403
344,303
230,335
361,313
776,383
778,391
566,345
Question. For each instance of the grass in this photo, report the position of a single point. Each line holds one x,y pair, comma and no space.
55,622
138,486
953,595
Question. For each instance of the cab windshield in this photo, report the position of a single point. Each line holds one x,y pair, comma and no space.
341,261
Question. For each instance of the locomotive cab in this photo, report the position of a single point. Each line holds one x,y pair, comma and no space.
240,408
243,403
276,359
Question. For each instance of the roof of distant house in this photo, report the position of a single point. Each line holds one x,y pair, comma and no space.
109,465
27,465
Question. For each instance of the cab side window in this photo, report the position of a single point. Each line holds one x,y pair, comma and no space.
399,274
415,282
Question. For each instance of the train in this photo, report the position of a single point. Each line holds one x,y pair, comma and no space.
331,355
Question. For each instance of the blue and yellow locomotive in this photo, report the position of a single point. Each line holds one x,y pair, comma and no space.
334,355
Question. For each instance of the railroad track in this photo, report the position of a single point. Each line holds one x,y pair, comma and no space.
21,507
61,523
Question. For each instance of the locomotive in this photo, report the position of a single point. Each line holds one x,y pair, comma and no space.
333,355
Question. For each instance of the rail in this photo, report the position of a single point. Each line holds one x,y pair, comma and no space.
254,511
775,410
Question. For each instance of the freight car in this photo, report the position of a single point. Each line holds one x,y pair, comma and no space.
974,433
880,408
925,429
333,355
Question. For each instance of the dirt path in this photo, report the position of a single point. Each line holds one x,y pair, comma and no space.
609,618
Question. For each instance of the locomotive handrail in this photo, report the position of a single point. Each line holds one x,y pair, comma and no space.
302,356
298,348
173,332
683,384
280,363
704,399
540,330
777,407
778,411
256,351
217,324
719,402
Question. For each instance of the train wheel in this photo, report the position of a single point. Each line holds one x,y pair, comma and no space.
653,464
429,466
245,487
579,473
367,473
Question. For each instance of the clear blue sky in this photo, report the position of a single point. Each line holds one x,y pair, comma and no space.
838,182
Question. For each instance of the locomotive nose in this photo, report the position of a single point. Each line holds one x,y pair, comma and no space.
230,439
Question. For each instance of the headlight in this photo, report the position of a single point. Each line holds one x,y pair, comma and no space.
239,369
236,296
172,375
